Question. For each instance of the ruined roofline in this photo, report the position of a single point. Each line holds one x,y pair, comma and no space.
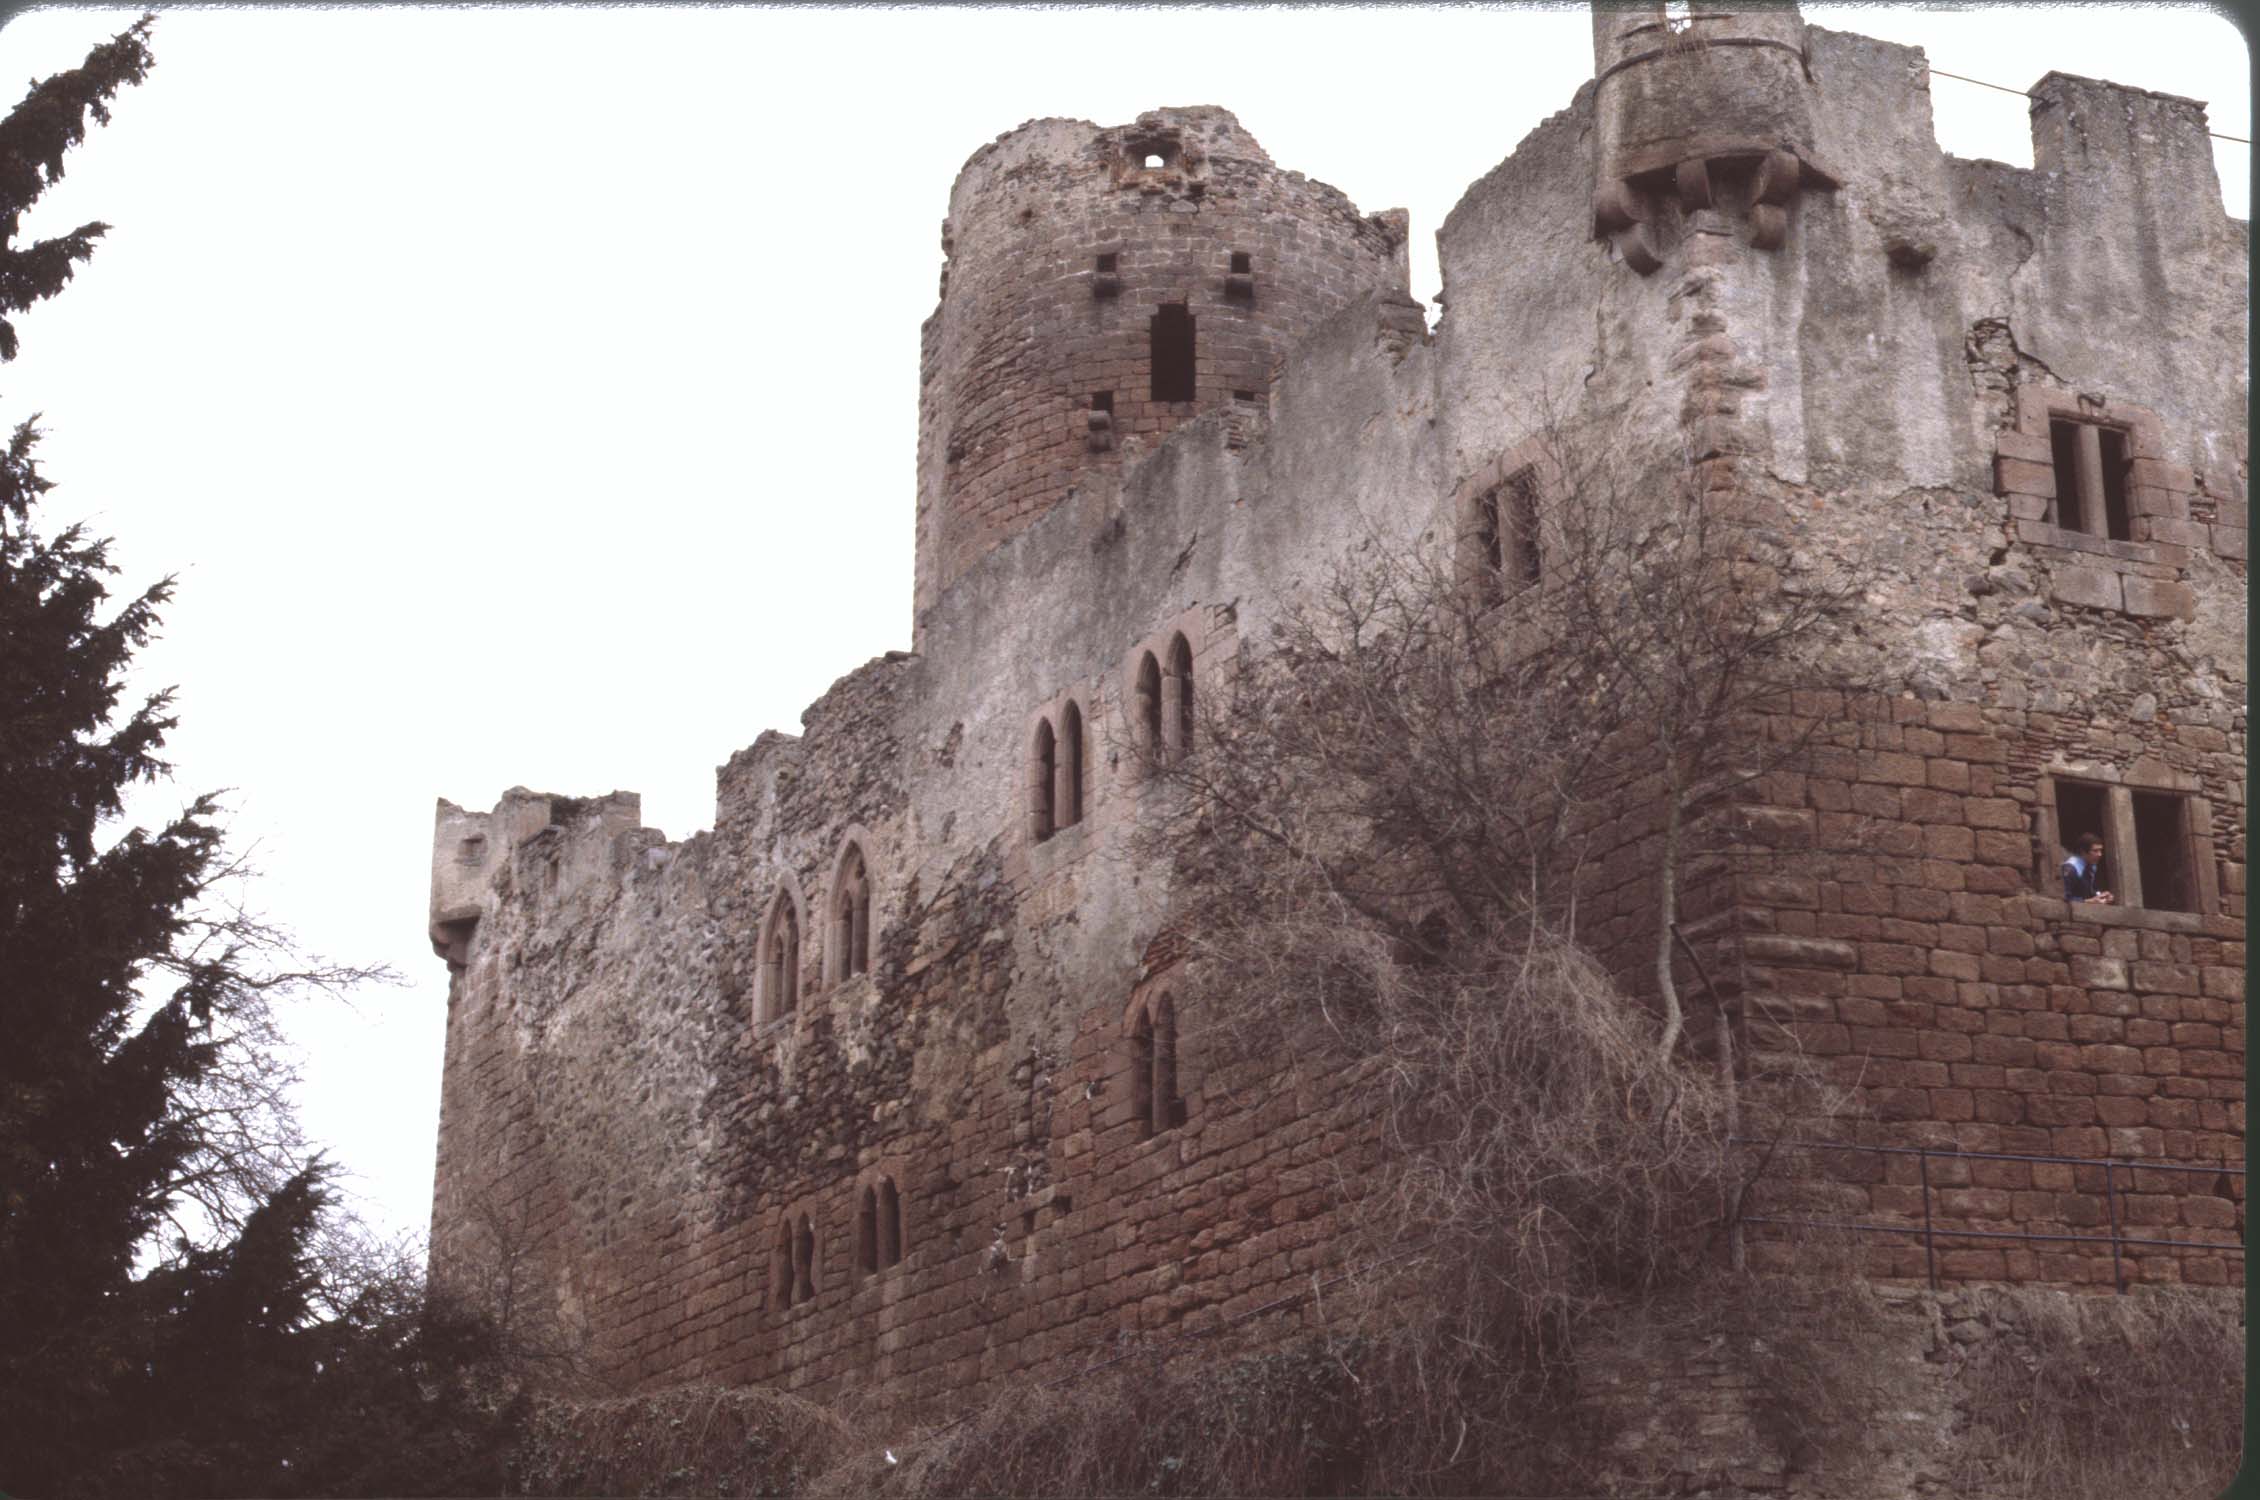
2100,83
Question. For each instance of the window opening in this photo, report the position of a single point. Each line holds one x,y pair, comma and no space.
804,1262
1519,544
1167,1110
2162,852
1247,396
1243,264
781,1266
1142,1073
1177,704
1067,794
780,962
1489,542
2091,464
1153,162
851,916
890,1224
2083,808
1040,775
1170,352
1107,263
1102,401
1149,707
867,1232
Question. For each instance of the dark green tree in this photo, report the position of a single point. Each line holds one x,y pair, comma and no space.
175,1317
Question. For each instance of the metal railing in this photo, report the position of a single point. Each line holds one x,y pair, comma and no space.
1930,1231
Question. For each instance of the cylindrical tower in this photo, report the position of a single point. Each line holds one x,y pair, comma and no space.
1709,110
1111,283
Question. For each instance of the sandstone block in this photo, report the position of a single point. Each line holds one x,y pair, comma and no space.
2093,588
2156,597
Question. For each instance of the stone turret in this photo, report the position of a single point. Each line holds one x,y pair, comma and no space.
1711,110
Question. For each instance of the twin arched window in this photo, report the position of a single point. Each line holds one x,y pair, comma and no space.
1153,1068
1055,775
1165,702
878,1227
792,1264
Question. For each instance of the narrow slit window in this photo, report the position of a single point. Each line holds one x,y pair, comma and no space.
1177,707
890,1224
779,990
804,1261
1142,1073
851,917
1519,546
2116,523
867,1233
1490,546
1149,707
2162,851
1170,352
1043,766
1067,795
1167,1111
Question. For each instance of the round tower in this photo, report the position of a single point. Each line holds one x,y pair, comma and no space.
1710,110
1108,283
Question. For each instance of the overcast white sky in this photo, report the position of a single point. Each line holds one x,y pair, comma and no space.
529,396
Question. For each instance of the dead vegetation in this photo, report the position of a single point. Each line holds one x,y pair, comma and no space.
2101,1397
691,1440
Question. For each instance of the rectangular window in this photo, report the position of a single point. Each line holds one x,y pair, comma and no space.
1107,264
1170,352
1243,264
1102,401
1521,542
2091,463
2161,836
2082,809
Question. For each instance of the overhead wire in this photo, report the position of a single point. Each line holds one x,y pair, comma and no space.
2027,94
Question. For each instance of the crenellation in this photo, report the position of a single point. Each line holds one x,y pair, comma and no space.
914,952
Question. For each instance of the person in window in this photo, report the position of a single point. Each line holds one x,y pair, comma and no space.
2082,870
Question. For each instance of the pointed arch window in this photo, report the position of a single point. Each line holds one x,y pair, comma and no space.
1148,698
878,1227
777,991
1067,774
1153,1068
1177,699
1043,770
851,915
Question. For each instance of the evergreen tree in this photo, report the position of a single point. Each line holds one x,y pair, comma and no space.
166,1323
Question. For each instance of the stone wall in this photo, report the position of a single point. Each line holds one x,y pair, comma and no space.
646,1100
1063,248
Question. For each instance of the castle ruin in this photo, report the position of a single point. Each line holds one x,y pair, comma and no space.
884,1080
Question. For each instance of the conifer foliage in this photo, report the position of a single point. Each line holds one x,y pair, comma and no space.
175,1316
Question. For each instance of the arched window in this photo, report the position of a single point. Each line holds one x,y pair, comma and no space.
1042,768
851,916
1149,707
890,1224
878,1228
1153,1068
778,989
1177,700
804,1261
1067,785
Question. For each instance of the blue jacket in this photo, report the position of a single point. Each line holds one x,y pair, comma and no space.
2079,879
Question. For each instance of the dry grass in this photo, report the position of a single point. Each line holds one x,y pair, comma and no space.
691,1440
2082,1397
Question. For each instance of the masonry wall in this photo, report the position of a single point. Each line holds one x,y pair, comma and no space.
1033,338
634,1127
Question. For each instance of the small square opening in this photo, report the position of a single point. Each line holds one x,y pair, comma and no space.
1102,401
1107,264
1243,264
2162,848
